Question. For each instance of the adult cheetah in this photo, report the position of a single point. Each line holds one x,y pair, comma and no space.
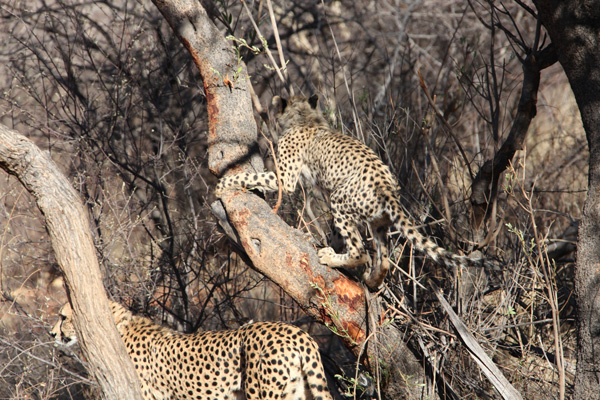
263,360
362,188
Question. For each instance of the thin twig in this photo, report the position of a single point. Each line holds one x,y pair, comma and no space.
51,364
446,124
545,263
280,189
260,36
443,187
357,123
279,47
451,231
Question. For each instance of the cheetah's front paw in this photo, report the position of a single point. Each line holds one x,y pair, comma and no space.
219,189
327,256
225,184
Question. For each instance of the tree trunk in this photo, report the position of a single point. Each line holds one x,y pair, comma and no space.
231,125
274,248
69,231
574,27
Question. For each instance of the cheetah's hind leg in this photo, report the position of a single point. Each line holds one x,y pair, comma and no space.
381,266
355,254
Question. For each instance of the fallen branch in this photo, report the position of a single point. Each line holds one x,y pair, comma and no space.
493,373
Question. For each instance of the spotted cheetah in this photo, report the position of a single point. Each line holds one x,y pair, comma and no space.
263,360
362,188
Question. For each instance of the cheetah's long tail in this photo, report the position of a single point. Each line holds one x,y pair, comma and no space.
425,244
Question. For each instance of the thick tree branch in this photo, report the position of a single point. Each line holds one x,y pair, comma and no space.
282,254
69,231
231,125
485,184
274,248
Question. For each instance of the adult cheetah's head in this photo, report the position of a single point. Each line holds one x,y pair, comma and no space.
64,331
298,110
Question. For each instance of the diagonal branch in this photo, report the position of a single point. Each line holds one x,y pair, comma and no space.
485,184
274,248
69,232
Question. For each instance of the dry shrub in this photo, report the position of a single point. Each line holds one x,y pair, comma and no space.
107,89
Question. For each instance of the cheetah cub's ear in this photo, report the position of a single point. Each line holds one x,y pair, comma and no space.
279,103
313,101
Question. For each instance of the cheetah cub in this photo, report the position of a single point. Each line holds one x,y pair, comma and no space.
362,188
263,360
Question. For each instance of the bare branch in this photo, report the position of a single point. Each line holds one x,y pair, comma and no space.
484,186
449,129
71,238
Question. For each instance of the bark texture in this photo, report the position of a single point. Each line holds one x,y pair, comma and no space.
69,231
231,125
275,249
574,27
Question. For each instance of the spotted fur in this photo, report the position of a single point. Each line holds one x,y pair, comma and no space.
362,188
263,360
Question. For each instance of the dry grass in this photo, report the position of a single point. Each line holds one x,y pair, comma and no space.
122,111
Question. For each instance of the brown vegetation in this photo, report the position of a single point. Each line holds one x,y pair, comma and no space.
137,123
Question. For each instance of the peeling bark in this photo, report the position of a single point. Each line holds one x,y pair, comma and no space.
69,231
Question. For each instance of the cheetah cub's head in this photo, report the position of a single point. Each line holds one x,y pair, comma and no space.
298,110
64,331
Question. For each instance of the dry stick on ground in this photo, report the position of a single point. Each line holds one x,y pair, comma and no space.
69,232
276,250
488,367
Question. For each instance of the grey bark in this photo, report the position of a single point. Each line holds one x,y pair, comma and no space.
231,125
69,232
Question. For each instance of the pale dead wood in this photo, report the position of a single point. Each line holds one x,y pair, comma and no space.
69,232
493,373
